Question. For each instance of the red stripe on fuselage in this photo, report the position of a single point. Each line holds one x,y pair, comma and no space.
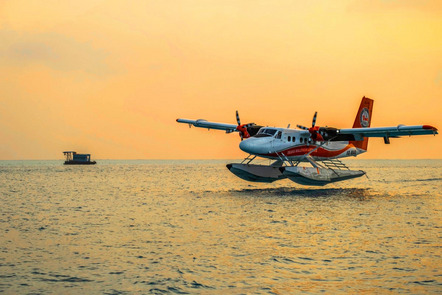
302,150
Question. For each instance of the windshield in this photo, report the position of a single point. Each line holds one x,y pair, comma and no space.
265,132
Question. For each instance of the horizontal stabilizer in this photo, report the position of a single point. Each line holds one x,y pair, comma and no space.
401,130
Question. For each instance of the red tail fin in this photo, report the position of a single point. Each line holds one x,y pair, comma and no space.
362,120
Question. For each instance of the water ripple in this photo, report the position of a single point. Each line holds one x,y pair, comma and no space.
183,227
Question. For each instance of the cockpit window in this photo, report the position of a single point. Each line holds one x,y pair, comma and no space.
263,132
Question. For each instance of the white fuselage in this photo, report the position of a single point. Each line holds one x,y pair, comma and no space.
293,144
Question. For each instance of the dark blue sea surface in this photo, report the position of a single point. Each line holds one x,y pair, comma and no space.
192,227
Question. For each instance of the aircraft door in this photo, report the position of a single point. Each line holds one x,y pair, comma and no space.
276,142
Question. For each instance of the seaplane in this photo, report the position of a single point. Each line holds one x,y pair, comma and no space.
307,155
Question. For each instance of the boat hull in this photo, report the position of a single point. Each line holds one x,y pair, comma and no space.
79,163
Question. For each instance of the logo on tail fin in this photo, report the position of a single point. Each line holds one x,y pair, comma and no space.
365,118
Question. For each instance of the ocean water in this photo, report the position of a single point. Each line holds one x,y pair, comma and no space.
192,227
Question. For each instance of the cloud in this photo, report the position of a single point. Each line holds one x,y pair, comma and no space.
56,51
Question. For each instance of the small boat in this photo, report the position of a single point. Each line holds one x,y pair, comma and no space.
72,158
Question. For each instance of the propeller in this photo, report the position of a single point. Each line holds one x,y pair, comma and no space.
301,127
242,128
314,134
238,120
314,119
313,123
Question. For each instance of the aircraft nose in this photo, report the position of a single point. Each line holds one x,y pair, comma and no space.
246,146
255,145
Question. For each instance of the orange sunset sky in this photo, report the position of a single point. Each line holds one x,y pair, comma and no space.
111,77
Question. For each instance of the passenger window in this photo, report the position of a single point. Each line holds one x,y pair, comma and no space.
289,138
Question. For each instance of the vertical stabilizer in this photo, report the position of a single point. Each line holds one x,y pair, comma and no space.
363,120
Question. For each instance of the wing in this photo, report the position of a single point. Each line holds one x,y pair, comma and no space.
209,125
387,132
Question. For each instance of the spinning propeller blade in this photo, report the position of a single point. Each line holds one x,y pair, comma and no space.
302,127
314,131
239,124
313,123
243,129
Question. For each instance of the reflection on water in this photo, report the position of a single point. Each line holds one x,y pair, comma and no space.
192,227
359,193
